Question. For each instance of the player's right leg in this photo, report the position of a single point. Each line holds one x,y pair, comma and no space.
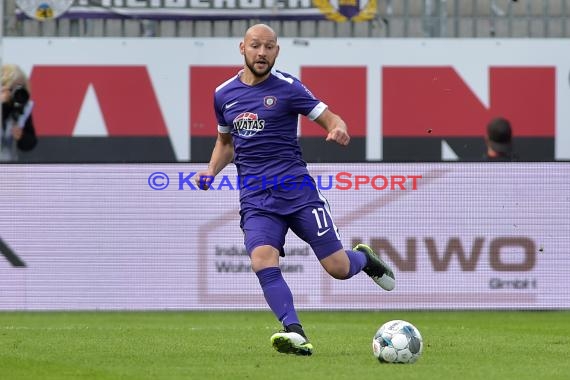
265,264
263,233
290,342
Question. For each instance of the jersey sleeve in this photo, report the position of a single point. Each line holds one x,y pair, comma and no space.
304,102
223,126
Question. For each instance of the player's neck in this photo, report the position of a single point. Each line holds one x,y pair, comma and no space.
248,78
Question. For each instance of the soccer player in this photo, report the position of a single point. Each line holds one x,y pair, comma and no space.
257,112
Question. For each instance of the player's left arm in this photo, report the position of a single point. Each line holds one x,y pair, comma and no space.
335,126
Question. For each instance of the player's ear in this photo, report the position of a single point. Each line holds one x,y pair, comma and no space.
242,48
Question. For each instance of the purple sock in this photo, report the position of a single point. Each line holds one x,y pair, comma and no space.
278,295
357,262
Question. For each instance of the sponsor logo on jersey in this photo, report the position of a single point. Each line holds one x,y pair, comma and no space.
248,124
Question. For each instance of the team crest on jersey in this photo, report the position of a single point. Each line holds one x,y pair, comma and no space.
348,10
248,124
269,101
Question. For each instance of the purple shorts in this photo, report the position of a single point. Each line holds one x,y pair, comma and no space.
267,216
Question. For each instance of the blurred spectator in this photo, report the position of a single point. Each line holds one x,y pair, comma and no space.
499,140
17,133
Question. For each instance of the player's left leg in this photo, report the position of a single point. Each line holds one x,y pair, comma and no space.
314,224
373,266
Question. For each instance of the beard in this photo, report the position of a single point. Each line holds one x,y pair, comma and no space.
259,73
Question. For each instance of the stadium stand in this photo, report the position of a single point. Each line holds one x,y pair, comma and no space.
395,18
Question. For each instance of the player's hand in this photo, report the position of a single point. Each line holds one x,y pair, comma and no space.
204,179
339,135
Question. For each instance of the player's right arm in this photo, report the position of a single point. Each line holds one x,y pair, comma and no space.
222,155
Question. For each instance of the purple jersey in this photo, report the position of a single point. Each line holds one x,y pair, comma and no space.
263,122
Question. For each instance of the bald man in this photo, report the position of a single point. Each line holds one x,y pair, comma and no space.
257,113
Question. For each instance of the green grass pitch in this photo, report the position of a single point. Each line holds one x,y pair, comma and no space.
459,345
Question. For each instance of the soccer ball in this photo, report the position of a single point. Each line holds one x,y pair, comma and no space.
397,342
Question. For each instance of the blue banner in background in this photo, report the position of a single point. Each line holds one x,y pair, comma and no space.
340,11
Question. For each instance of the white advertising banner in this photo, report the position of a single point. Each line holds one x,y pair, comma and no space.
141,237
163,87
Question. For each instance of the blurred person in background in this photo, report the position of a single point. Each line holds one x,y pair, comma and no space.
498,140
18,132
